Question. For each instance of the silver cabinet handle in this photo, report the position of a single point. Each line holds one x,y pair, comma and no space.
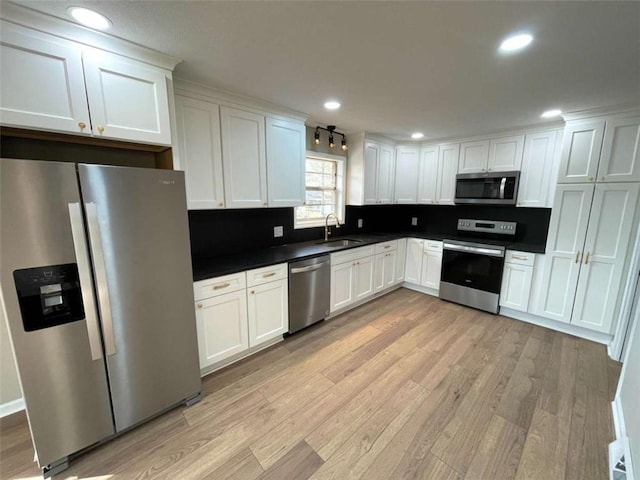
310,268
266,275
586,260
86,285
519,257
222,285
102,286
577,255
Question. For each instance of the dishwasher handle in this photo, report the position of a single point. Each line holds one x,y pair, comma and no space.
310,268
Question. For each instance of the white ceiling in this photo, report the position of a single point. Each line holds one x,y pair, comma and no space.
397,67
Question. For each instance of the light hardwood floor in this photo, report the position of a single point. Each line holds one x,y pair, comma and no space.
404,387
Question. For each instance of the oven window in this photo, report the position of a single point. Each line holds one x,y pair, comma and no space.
474,270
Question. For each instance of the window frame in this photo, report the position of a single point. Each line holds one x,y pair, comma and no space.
341,183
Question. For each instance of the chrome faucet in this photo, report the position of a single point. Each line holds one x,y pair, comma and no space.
326,226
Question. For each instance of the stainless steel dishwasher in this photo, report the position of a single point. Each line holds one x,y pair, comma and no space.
309,291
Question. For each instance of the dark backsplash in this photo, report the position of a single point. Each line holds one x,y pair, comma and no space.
222,232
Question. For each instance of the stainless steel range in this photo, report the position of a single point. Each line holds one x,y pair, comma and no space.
472,265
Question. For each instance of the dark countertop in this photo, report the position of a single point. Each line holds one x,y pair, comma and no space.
234,263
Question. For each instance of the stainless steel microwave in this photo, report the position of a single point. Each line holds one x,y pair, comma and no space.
492,188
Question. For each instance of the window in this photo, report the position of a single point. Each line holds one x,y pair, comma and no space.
324,191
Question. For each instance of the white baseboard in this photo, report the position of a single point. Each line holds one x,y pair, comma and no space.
12,407
558,326
419,288
621,439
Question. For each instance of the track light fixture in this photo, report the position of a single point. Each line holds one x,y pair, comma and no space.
332,131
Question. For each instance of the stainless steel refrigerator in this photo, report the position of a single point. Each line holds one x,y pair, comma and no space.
97,289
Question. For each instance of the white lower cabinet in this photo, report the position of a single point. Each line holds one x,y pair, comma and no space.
351,276
431,264
424,263
401,256
222,327
516,280
385,266
268,311
240,311
587,251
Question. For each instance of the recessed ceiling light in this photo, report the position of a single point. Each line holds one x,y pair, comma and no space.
515,42
332,105
417,135
89,18
551,113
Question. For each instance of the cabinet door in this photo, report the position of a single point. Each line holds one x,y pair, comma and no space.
370,189
199,152
447,169
608,237
268,309
342,285
401,258
407,164
516,286
505,153
128,100
537,166
222,327
378,272
243,158
386,174
286,148
581,151
620,159
428,175
413,265
474,157
390,263
42,82
565,242
363,278
431,267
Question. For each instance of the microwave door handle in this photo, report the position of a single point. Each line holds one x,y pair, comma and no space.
84,274
102,286
503,184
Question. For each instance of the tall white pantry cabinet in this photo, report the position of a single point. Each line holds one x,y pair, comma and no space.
593,223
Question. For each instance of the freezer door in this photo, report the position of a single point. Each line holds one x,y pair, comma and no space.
139,237
44,265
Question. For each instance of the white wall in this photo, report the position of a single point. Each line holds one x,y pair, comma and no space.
9,384
629,388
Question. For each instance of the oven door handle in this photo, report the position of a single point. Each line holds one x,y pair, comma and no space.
503,184
483,251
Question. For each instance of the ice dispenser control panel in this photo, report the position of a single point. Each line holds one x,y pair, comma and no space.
49,296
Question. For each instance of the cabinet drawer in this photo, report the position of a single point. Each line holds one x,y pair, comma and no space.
262,275
213,287
351,255
386,246
520,258
433,245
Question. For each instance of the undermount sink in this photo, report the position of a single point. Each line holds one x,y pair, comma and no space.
341,242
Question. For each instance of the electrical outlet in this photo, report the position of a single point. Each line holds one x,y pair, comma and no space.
359,223
414,221
277,231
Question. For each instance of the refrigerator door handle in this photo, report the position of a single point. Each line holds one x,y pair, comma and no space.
102,286
84,274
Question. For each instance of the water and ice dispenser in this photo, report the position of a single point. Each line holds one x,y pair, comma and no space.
49,296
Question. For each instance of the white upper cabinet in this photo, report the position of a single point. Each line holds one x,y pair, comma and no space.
42,82
127,100
620,160
538,165
447,169
199,152
428,174
286,148
505,153
243,158
474,157
52,84
370,172
407,166
581,151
